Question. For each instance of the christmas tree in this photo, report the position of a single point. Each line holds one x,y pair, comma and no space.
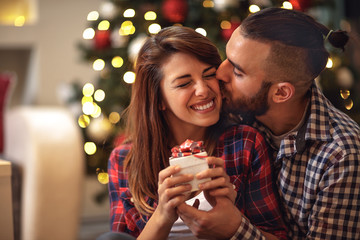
117,30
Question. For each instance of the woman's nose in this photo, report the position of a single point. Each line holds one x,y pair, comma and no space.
201,88
221,72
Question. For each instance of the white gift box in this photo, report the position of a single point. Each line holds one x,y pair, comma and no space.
192,165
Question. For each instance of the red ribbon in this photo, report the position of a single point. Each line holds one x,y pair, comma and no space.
187,148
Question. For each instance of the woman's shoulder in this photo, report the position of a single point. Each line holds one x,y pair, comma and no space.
240,131
120,152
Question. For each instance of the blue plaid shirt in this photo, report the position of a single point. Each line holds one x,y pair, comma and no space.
318,176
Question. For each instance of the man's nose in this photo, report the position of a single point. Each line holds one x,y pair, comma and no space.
221,73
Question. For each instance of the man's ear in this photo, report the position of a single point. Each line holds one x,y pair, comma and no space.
282,92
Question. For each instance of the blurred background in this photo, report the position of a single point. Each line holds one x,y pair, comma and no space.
66,69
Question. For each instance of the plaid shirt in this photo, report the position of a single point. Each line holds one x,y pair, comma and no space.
318,175
247,163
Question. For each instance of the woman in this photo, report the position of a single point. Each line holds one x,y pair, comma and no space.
177,97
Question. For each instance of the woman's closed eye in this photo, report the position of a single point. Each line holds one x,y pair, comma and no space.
209,76
182,85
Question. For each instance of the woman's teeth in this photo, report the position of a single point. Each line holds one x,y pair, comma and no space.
205,106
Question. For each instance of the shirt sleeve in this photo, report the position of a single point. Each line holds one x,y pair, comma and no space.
123,215
253,178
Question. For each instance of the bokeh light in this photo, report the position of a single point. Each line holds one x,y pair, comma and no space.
93,16
89,33
84,121
254,8
129,13
129,77
154,28
99,95
90,148
114,117
201,31
150,15
117,62
104,25
98,64
88,89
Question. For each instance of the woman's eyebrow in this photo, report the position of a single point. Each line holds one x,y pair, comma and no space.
207,69
180,77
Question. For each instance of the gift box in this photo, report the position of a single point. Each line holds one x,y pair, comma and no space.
191,157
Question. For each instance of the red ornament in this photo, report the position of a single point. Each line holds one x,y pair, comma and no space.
175,10
300,5
102,39
226,33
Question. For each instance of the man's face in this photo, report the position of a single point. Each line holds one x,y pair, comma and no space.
243,75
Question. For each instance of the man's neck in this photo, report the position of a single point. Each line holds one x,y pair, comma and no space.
281,119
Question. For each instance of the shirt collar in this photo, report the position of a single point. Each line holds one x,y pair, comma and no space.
316,127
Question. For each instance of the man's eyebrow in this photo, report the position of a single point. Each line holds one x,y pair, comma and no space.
236,66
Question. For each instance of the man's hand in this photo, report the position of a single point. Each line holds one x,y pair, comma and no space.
219,223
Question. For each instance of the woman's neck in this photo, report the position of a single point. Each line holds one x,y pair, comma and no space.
180,135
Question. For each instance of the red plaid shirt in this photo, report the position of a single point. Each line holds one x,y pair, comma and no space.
248,165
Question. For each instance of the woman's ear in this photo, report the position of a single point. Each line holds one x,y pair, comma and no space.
162,106
282,92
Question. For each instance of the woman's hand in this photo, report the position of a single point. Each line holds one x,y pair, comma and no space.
220,185
171,191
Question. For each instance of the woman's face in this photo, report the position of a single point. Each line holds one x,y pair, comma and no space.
190,93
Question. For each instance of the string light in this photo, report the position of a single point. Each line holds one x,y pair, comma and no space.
102,176
93,16
349,104
88,89
19,21
201,31
208,4
254,8
99,95
86,99
96,112
98,64
83,121
127,28
129,77
89,33
329,63
154,28
114,117
287,5
90,148
129,13
150,16
104,25
225,24
88,108
344,94
117,62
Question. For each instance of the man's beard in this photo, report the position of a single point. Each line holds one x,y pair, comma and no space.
248,107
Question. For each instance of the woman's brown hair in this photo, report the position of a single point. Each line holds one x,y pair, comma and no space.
147,129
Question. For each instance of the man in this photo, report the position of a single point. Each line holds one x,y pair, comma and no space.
273,59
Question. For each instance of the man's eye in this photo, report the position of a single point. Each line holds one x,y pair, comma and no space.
238,74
